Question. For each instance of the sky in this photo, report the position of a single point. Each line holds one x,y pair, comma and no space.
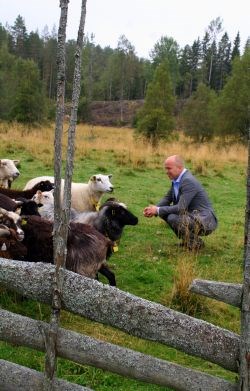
143,22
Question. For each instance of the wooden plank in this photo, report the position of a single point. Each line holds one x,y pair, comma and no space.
136,316
125,362
223,291
15,377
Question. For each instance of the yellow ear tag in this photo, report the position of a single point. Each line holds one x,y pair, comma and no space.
97,207
115,248
23,222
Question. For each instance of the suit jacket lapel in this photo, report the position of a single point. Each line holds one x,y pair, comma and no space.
178,197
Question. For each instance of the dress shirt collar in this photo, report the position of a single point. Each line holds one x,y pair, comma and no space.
180,176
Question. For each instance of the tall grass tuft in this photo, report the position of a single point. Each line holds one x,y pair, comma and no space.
181,298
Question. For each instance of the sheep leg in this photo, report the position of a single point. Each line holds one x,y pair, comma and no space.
105,271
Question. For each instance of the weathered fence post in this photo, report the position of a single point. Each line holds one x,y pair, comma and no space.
245,306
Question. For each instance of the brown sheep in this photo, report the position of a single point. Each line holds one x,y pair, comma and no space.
86,247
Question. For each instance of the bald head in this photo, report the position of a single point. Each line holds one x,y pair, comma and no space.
174,165
177,160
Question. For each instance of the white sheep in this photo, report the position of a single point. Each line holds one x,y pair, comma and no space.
84,196
8,171
46,199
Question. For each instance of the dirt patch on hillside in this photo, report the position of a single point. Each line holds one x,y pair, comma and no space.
114,113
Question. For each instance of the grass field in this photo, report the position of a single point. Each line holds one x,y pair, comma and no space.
148,263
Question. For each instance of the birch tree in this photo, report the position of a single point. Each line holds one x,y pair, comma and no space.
62,210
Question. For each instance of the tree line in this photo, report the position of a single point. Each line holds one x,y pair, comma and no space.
197,78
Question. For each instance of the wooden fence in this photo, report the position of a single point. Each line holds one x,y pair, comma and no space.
136,316
109,305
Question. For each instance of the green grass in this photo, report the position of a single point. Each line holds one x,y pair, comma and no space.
145,264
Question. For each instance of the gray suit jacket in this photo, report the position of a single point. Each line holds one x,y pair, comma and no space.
192,198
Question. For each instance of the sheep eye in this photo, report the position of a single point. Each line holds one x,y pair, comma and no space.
99,179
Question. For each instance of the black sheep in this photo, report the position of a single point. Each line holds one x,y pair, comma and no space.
15,193
110,220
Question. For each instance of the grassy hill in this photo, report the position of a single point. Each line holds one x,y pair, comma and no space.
148,263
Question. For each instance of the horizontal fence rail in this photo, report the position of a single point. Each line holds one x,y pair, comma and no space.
127,312
14,377
125,362
223,291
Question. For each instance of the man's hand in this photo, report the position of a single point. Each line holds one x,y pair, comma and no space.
150,211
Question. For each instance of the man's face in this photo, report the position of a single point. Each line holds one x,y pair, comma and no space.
172,169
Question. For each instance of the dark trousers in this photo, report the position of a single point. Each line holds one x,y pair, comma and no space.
190,226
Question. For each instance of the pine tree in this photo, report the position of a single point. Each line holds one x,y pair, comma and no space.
28,105
205,58
198,114
7,82
236,47
223,62
233,107
155,119
3,36
70,65
49,68
185,82
167,50
19,35
195,64
34,48
189,66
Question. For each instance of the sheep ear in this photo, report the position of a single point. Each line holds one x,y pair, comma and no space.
110,176
16,162
93,178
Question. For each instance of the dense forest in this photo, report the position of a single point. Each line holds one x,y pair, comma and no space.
206,82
